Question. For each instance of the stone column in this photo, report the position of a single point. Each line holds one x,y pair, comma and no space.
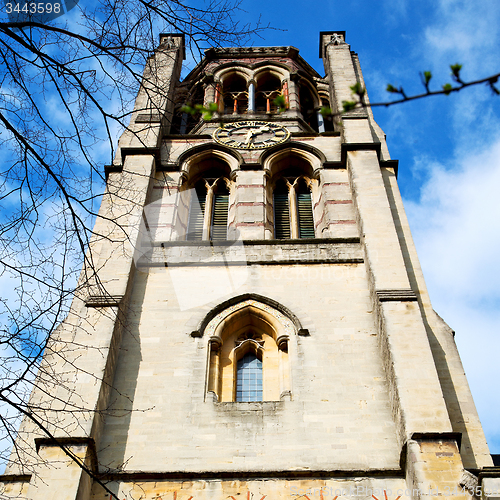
251,97
293,92
321,122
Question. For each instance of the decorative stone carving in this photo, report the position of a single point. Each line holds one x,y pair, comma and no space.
168,43
337,39
287,324
250,337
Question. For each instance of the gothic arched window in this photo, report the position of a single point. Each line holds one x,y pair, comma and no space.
248,354
182,122
327,117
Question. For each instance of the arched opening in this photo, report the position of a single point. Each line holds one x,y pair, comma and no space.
327,117
235,95
268,89
182,122
248,349
307,107
249,380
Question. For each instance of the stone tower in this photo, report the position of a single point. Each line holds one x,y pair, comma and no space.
252,320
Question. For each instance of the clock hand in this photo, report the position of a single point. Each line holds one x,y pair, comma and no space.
249,136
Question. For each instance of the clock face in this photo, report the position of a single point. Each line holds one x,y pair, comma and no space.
251,135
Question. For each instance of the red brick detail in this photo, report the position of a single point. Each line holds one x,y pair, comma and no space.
261,186
342,222
318,202
249,224
250,204
320,221
338,202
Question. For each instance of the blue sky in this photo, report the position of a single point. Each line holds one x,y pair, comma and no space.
448,150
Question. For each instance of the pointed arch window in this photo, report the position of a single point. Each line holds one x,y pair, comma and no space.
182,122
307,106
248,355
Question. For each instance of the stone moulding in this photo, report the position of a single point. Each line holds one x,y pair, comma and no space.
15,478
247,298
70,442
103,300
396,295
148,118
288,326
252,252
347,473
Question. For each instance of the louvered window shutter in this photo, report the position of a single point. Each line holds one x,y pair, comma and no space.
281,213
305,212
197,214
219,217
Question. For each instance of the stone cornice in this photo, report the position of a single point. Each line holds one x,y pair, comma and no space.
396,295
103,300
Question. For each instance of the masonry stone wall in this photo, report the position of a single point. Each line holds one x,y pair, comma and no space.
339,416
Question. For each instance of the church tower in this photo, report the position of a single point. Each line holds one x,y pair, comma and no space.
252,321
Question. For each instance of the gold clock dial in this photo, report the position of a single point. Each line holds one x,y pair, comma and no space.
251,135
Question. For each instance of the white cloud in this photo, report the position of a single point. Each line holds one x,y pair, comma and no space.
464,31
456,227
